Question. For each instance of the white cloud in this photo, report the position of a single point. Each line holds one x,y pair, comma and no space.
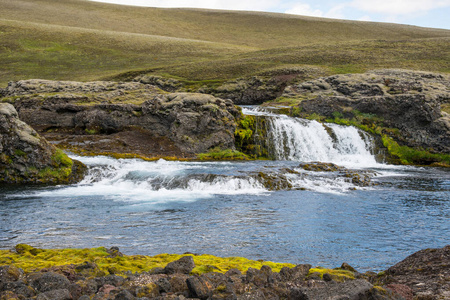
398,7
306,10
365,18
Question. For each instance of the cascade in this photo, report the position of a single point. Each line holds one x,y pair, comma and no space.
297,139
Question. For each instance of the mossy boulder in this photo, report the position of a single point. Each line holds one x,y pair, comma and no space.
26,157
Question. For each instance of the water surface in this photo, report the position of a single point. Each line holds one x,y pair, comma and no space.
217,208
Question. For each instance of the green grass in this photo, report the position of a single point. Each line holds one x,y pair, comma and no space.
82,40
32,259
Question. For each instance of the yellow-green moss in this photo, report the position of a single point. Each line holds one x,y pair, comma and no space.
337,274
31,259
409,155
227,154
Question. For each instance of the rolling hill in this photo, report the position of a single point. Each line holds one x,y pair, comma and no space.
83,40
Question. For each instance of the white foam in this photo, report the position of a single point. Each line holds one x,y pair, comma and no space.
335,185
136,181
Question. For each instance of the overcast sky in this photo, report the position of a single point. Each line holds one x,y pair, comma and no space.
427,13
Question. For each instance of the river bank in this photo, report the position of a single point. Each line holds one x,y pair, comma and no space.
100,273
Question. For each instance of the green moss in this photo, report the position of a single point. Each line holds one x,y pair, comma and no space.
244,130
336,274
91,131
31,259
19,153
60,171
409,155
250,137
218,154
59,158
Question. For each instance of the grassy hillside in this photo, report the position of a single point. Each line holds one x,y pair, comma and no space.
83,40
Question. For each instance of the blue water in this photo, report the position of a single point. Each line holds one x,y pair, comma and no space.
175,207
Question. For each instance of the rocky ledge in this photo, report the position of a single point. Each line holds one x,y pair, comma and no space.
26,157
111,117
423,275
412,106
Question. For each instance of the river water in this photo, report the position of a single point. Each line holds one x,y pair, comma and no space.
222,208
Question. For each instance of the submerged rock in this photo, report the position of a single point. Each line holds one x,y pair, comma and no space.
26,157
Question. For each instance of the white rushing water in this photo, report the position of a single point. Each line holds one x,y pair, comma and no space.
303,140
291,140
155,182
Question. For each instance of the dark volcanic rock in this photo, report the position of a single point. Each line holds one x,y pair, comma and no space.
426,272
49,281
406,100
199,287
184,266
26,157
62,294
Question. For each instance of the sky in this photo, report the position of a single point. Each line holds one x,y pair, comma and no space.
426,13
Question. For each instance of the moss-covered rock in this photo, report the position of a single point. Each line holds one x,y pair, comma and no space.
26,157
30,259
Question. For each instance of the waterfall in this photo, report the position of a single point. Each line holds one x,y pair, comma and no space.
297,139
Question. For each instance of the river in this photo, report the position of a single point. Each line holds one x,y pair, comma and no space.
221,208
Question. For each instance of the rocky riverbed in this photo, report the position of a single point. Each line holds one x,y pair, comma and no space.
423,275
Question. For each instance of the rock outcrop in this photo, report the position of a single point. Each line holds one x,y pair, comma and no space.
414,103
187,123
242,91
426,273
26,157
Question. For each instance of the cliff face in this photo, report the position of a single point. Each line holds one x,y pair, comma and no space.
145,119
413,103
26,157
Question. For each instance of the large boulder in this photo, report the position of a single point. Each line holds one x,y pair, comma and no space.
414,103
26,157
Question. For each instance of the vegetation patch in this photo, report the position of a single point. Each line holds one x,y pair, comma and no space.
32,259
250,137
218,154
337,274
